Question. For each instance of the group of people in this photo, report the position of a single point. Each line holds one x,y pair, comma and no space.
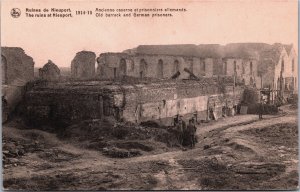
186,134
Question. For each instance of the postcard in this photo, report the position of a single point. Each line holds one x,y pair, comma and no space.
149,95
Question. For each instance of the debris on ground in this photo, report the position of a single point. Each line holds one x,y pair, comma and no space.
93,155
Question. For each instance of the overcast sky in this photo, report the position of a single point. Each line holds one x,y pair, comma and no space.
217,22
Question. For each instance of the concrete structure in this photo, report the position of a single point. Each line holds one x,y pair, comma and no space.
49,72
160,102
83,65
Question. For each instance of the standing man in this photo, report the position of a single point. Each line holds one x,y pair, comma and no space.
191,128
260,109
180,128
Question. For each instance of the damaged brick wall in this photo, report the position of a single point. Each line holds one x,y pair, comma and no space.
61,107
49,72
17,67
114,65
159,102
244,69
83,65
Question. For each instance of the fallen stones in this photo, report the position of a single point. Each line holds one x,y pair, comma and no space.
120,153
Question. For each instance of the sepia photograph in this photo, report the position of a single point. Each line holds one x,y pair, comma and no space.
149,95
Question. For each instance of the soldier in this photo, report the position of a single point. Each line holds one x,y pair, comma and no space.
180,128
260,110
192,130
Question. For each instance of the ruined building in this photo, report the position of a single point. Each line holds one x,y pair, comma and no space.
286,69
255,64
17,69
49,72
164,61
203,81
83,65
113,65
162,101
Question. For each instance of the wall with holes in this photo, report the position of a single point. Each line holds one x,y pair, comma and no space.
163,104
114,65
159,102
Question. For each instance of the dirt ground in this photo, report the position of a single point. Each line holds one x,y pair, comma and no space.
236,153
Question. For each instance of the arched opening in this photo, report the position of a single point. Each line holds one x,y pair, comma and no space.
225,68
293,65
143,68
130,65
191,65
282,65
251,81
160,68
4,69
176,66
251,67
122,67
243,81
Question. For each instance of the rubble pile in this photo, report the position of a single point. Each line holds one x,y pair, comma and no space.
116,139
120,153
276,134
14,149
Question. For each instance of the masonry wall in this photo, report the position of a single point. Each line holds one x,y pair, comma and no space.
17,67
49,72
159,102
293,59
269,73
112,65
283,60
59,107
83,65
243,70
